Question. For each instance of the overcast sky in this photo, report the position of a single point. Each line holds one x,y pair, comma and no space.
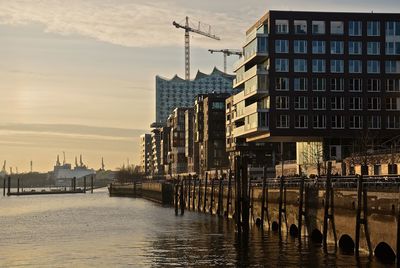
66,64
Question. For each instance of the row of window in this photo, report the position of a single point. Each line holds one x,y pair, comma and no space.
337,47
337,84
337,66
355,28
338,121
336,103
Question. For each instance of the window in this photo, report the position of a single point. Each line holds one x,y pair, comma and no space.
373,28
281,65
355,103
337,103
355,66
355,28
393,121
300,65
393,85
218,106
282,102
301,121
300,26
281,46
392,67
337,66
373,67
300,84
319,103
355,85
373,48
318,84
319,121
318,27
356,122
318,47
337,121
300,46
281,26
337,27
355,48
374,103
300,103
392,48
392,28
337,47
393,104
337,84
282,84
374,122
373,85
282,121
318,66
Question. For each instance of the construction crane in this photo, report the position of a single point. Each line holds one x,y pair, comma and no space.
197,30
227,52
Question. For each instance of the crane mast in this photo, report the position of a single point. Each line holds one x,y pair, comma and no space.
189,29
227,52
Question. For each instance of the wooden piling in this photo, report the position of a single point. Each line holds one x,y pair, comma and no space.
220,192
199,197
362,219
189,191
212,196
9,186
91,184
18,185
245,197
280,206
4,187
238,194
176,194
229,196
84,184
182,199
264,182
301,212
398,231
74,183
194,194
329,208
205,193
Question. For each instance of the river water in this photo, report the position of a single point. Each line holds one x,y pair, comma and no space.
94,230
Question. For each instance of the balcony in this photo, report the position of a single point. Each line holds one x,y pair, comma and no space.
256,124
254,51
255,70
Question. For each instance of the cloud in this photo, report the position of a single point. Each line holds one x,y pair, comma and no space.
125,23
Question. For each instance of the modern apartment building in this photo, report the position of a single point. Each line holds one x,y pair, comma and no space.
177,92
145,153
320,77
155,162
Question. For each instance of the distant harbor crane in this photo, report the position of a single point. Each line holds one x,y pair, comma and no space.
197,30
227,52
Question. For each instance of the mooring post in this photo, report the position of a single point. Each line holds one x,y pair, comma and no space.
9,185
205,194
398,231
301,211
199,196
212,196
362,208
220,191
4,187
245,198
229,196
91,184
264,182
280,206
18,186
194,194
189,191
238,197
176,188
182,199
328,208
74,183
84,184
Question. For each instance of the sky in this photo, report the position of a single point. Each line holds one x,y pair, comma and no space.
79,76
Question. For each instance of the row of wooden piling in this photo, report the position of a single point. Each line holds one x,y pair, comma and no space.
186,198
7,185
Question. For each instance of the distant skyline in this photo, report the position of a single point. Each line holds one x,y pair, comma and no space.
79,76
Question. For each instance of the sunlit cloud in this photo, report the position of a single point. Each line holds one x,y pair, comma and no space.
126,23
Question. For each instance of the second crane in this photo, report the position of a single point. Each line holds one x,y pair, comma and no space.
227,52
